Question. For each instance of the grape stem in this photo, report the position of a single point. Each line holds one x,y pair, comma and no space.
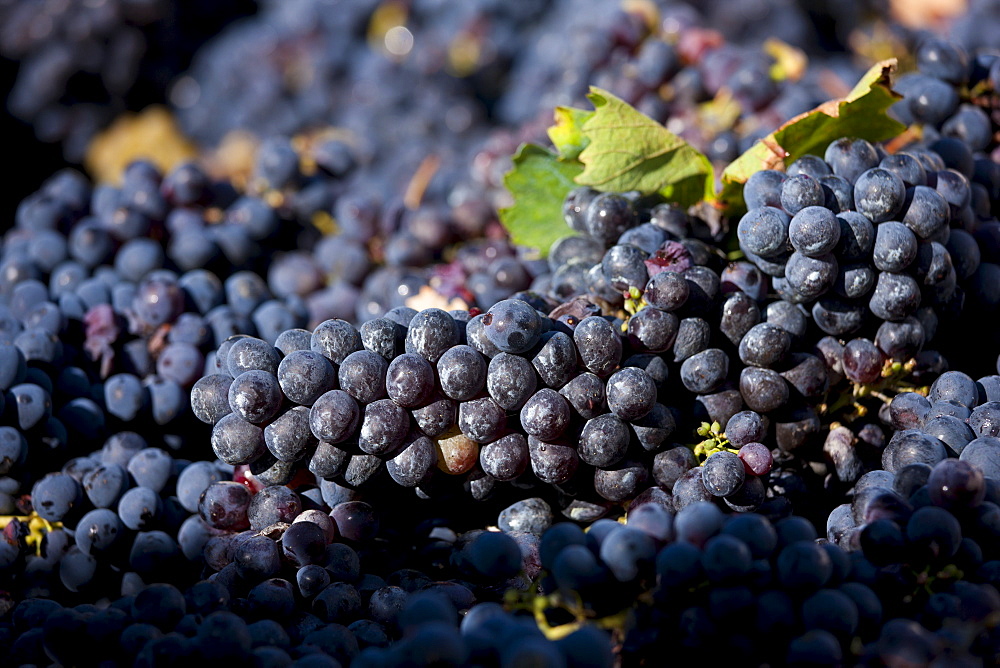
891,382
38,527
716,441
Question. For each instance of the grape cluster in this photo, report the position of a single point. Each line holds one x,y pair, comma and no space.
506,396
288,581
913,580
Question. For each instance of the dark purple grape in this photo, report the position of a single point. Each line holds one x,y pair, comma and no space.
383,428
704,372
415,463
546,414
362,374
513,326
461,373
586,395
631,393
608,216
552,462
483,420
334,416
511,380
763,390
224,506
304,375
289,437
556,361
604,441
335,340
505,458
255,396
431,332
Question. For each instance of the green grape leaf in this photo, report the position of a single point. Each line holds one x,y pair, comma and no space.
861,114
630,151
567,133
538,182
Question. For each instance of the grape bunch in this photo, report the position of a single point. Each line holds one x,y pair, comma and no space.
283,578
506,396
907,571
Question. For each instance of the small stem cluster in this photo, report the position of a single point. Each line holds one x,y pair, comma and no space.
37,528
847,405
714,441
634,302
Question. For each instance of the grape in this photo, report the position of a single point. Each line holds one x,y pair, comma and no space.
461,373
850,157
763,390
31,403
705,371
896,296
552,462
838,193
604,441
362,374
666,291
624,266
653,429
511,380
334,416
942,59
413,465
652,330
255,396
97,530
151,467
879,194
764,345
810,277
545,415
814,230
763,188
494,555
289,438
756,458
628,552
430,333
956,386
105,484
304,375
383,428
55,495
224,505
436,417
599,346
512,326
236,441
483,420
506,458
555,362
139,508
956,484
895,247
631,393
607,216
335,340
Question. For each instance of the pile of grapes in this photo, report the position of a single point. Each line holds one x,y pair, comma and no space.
321,404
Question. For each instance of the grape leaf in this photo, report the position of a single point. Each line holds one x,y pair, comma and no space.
630,151
861,114
567,134
539,182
